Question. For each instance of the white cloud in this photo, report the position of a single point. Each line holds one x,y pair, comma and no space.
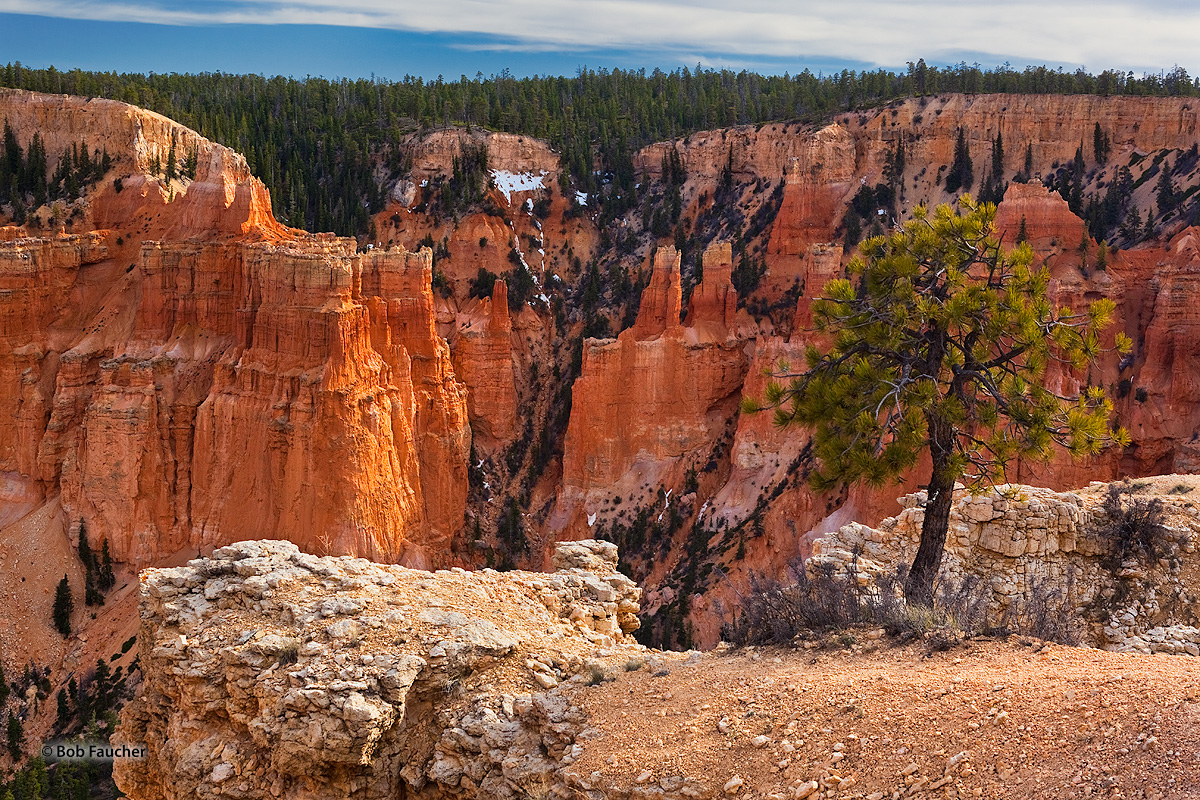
1121,33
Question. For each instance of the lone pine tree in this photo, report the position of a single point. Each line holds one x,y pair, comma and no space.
63,606
940,343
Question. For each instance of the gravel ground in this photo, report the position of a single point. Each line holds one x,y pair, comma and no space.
996,719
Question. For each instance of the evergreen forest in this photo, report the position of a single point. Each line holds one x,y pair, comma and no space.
316,142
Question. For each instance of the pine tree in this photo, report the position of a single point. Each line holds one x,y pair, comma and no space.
83,164
16,736
962,172
170,171
726,184
63,606
1022,236
86,556
3,686
994,185
1075,195
1102,256
190,163
106,579
1165,191
1100,144
1028,170
92,596
941,347
63,716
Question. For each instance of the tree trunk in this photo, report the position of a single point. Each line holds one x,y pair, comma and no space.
918,589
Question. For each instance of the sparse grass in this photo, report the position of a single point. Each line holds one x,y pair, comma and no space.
1180,488
634,664
596,675
289,653
775,613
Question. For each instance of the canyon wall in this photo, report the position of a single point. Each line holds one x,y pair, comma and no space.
230,379
181,371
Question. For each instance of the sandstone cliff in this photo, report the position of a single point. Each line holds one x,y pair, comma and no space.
229,379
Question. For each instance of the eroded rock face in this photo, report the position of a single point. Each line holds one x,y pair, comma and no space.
656,394
229,379
271,672
483,359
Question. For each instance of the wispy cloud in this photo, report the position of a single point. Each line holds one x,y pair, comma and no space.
1120,33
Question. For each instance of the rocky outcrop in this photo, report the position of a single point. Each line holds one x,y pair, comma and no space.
1044,216
223,198
713,304
270,672
231,379
1032,551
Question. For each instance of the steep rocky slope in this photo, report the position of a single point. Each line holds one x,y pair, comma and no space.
272,673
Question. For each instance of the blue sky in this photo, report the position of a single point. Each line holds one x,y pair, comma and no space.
358,38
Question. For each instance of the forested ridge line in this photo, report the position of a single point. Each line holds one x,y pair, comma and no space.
315,142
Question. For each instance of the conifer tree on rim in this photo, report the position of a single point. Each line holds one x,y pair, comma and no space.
940,342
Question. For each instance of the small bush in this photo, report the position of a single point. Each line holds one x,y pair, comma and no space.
1047,615
1131,528
596,675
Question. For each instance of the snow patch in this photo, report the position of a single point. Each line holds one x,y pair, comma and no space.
581,198
509,182
592,519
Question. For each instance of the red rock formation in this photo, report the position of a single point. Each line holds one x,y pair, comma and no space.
1048,221
651,402
712,308
483,360
1163,407
662,299
236,380
224,198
